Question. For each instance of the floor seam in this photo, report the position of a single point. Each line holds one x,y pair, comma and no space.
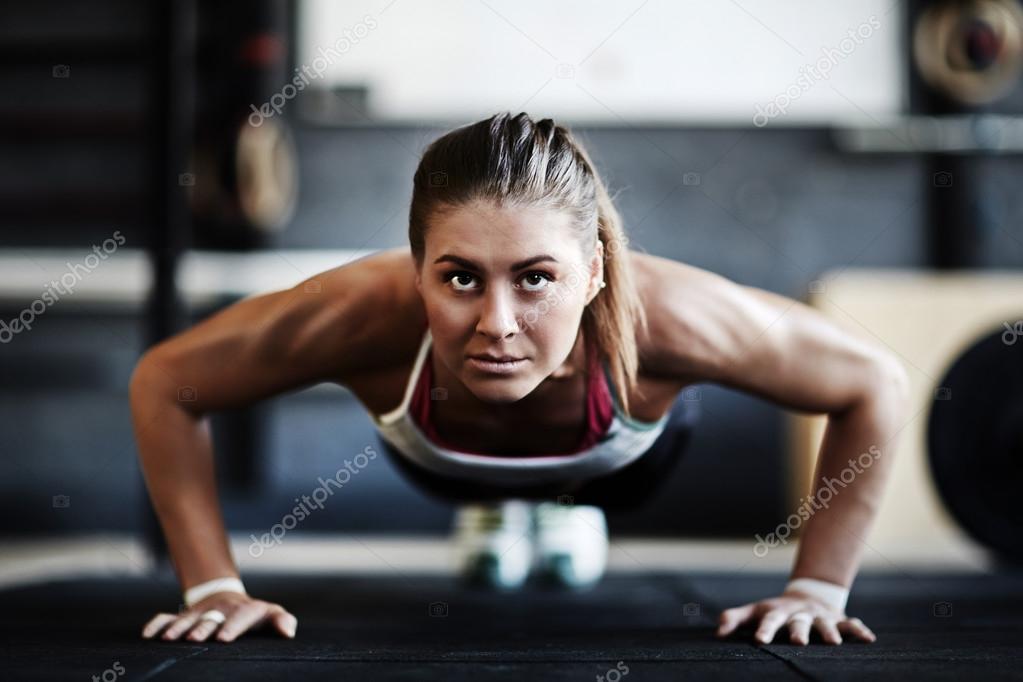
789,663
168,663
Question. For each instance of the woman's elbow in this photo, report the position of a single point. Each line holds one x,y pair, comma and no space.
887,387
150,379
889,376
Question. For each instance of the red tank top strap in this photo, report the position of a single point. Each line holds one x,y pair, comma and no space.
599,406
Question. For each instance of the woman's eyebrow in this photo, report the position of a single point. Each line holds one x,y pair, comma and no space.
466,263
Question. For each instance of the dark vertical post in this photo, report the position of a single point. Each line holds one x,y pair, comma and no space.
171,104
958,236
956,210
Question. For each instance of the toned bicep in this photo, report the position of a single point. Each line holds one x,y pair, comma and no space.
802,359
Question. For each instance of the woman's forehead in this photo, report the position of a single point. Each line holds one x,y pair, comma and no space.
515,217
502,236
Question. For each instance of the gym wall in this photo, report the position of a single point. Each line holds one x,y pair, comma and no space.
771,207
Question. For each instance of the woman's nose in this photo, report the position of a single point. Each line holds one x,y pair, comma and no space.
497,318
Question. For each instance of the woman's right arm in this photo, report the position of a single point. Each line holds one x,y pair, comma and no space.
321,329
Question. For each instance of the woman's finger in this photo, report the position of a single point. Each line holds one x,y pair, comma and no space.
855,627
285,622
241,620
203,629
157,623
183,624
732,618
799,628
769,625
826,626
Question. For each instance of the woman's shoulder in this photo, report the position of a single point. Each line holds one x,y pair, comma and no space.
675,297
392,304
699,322
392,320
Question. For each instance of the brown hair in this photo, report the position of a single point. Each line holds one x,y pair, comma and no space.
514,160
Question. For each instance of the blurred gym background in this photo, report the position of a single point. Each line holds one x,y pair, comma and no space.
160,160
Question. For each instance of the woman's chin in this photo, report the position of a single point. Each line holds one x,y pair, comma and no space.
501,392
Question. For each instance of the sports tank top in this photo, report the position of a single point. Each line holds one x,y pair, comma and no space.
612,439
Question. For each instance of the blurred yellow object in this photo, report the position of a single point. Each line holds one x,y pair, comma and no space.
928,319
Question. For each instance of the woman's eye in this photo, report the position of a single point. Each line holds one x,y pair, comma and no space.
459,279
463,281
531,278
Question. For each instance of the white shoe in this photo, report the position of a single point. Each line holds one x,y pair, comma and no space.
571,543
493,543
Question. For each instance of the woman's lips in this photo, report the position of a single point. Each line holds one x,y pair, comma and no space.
494,367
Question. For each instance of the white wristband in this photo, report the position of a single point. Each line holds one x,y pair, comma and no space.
831,594
199,592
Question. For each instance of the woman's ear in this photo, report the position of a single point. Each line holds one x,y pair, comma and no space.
596,272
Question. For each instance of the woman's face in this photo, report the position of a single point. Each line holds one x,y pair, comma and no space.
509,281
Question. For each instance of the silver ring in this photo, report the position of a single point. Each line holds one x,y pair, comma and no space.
216,616
801,617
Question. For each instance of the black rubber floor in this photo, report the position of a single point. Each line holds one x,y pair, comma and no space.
634,628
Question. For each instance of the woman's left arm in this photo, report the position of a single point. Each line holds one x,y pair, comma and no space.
793,355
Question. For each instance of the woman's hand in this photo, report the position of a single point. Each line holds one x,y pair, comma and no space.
799,614
242,611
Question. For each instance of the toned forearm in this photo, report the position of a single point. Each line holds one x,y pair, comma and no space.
853,467
176,455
